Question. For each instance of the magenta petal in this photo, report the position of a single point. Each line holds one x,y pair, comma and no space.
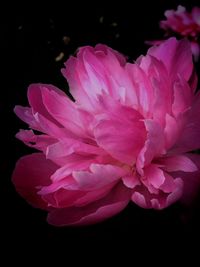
139,199
36,101
40,142
191,187
178,163
66,112
182,97
93,195
154,175
71,73
26,115
131,181
99,175
189,139
95,212
179,60
177,193
93,72
195,47
124,143
31,172
154,145
171,131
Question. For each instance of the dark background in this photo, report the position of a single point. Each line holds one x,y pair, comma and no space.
31,40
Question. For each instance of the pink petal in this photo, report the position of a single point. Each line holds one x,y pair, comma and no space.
195,47
63,198
171,131
154,175
191,186
179,60
96,71
170,184
125,142
99,175
142,87
71,163
71,72
67,198
40,142
36,101
66,193
154,145
182,97
139,199
131,181
178,163
177,193
94,195
172,191
38,122
51,128
31,172
68,146
111,53
26,115
189,139
66,113
98,211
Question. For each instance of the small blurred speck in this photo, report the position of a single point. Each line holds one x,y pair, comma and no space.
117,35
66,40
60,57
20,27
101,19
114,24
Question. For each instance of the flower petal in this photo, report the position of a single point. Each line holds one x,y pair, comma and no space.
124,143
154,145
189,139
66,113
95,212
90,74
33,171
191,181
99,175
154,175
36,101
178,163
178,61
40,142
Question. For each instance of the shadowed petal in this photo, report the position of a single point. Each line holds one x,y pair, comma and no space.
95,212
32,172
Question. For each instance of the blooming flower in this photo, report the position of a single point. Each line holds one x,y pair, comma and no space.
184,24
125,137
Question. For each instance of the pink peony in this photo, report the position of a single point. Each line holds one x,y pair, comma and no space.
125,137
184,24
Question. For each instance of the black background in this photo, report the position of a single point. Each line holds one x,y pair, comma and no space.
32,39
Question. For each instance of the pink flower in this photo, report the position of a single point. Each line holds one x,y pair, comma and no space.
126,136
184,24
